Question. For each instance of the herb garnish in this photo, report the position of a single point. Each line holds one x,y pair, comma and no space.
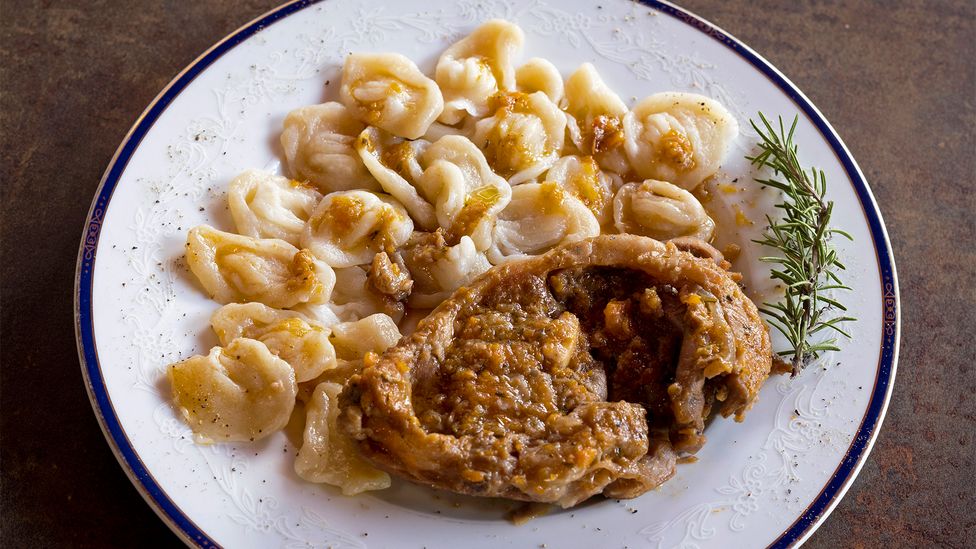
807,265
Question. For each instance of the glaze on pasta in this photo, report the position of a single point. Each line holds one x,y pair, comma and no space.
405,191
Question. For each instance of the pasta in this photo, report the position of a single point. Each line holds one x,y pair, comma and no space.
395,164
539,75
660,210
401,195
388,91
236,393
582,177
373,334
352,299
468,193
678,137
234,268
438,269
540,216
318,144
476,68
348,228
270,206
595,119
301,343
524,136
330,456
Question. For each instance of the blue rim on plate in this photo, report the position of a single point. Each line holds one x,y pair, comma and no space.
183,526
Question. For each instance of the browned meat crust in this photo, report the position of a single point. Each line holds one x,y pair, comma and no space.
565,375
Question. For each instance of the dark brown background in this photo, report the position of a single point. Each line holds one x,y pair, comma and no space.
895,79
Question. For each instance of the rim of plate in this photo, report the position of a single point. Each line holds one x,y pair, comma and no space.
182,525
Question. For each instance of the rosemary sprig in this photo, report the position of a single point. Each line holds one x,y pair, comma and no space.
808,265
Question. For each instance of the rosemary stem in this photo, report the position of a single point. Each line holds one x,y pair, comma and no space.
807,264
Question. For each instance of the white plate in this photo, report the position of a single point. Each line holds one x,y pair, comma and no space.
768,481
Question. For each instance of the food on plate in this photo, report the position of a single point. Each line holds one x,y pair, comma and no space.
329,455
539,217
555,378
583,329
348,228
477,67
681,138
524,135
264,205
595,119
660,210
318,144
438,268
539,75
388,91
241,392
234,269
299,341
582,177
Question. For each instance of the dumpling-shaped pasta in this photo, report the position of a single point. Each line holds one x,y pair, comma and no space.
395,163
349,227
539,75
234,268
523,137
588,96
477,67
467,194
438,269
595,119
678,137
352,299
302,343
388,91
264,205
318,144
236,393
582,177
328,455
660,210
373,334
539,217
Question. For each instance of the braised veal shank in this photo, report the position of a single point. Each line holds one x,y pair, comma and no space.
558,377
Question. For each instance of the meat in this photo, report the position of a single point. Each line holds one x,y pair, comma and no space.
582,371
389,277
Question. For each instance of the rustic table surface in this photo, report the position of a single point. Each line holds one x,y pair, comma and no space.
897,80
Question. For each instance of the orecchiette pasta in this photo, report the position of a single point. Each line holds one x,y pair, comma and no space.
352,299
539,75
524,136
582,177
467,194
678,137
330,456
302,343
477,67
660,210
236,393
349,227
395,164
270,206
595,119
388,91
234,268
328,271
373,334
588,96
438,269
318,144
539,217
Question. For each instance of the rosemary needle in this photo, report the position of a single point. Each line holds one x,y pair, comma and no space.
807,264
